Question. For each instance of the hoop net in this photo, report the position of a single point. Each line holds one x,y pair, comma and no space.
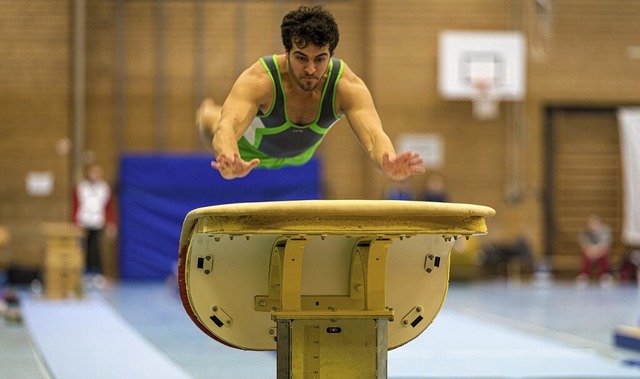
484,102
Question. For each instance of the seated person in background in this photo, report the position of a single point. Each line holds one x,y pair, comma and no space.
630,266
595,242
400,190
434,189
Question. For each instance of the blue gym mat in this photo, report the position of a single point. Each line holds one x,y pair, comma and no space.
88,339
460,346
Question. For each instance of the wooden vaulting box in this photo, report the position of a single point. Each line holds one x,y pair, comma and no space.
63,260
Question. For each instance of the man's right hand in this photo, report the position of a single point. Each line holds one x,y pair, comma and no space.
233,167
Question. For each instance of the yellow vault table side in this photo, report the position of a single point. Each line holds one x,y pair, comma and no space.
330,284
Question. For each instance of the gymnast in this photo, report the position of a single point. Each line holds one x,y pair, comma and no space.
282,106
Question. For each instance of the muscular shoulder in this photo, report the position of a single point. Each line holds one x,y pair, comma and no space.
351,89
256,83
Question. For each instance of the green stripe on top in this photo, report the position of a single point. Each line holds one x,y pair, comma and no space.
278,142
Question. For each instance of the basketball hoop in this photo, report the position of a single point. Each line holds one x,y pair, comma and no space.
484,67
484,102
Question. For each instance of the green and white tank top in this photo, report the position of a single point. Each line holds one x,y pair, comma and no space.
278,142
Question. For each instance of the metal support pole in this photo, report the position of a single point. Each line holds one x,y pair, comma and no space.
120,63
160,121
79,93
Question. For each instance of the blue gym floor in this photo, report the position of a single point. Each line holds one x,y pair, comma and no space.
493,329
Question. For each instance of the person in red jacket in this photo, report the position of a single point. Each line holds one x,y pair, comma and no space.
93,212
595,241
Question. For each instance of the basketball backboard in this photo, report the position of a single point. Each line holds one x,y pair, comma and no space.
484,67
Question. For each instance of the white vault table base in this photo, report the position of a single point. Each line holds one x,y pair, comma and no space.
330,284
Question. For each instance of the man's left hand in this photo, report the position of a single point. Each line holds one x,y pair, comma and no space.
403,165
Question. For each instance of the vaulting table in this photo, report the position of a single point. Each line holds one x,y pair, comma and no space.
331,285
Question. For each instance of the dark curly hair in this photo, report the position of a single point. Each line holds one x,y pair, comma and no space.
307,25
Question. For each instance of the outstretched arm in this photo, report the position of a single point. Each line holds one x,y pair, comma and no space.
356,103
238,110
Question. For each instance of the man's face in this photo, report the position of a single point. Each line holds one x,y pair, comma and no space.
308,65
94,173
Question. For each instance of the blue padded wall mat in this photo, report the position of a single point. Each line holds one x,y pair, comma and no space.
156,191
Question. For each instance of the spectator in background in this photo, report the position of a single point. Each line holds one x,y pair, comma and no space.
630,266
595,242
434,189
400,190
93,211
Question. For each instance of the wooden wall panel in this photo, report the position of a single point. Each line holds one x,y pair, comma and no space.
140,91
589,57
586,180
220,64
34,116
179,72
101,135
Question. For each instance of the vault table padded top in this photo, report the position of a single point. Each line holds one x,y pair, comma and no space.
366,217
